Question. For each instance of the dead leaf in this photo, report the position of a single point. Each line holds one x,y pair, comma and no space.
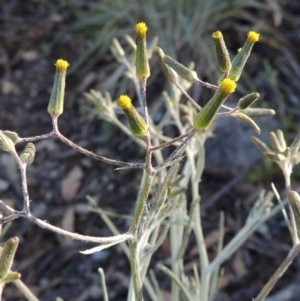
277,16
167,295
224,281
166,247
239,265
67,223
70,184
7,87
210,240
29,55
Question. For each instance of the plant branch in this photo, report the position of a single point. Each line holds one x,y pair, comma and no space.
60,231
279,272
91,154
135,270
207,85
24,289
178,151
35,138
188,96
166,144
22,167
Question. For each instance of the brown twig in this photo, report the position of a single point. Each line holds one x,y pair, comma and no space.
166,144
207,85
91,154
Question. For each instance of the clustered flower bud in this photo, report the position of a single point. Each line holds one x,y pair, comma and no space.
280,153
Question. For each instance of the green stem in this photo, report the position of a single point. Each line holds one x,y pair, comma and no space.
135,270
205,277
175,232
24,289
287,170
141,203
133,245
103,285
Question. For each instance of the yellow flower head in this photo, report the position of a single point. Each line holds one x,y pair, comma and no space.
137,124
228,86
217,35
253,36
124,102
141,29
61,65
239,50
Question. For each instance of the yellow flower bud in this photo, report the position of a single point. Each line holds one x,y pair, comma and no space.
142,64
223,58
241,58
209,111
137,124
141,29
56,103
253,37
